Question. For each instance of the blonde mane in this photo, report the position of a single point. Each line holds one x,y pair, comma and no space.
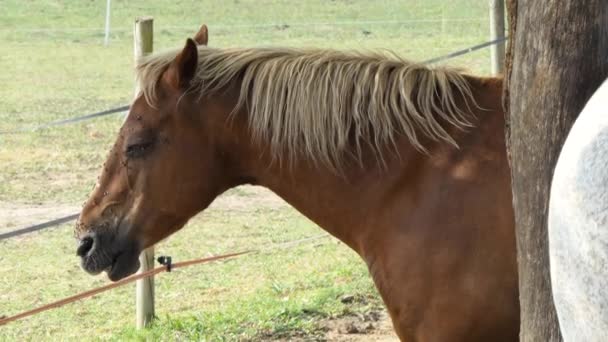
321,102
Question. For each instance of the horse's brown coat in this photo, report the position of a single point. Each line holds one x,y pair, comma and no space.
436,230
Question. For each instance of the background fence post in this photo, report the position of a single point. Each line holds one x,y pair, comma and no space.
444,19
497,31
106,39
142,45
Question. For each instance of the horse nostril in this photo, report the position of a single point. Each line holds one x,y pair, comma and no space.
86,244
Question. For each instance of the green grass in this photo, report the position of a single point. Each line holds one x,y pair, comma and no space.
273,292
54,65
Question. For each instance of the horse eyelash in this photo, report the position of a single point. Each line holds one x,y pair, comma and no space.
138,150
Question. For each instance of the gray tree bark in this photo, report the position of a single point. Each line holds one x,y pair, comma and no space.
559,52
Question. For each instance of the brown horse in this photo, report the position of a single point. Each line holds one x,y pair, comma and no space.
405,164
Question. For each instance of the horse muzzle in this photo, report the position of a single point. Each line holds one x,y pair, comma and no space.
118,257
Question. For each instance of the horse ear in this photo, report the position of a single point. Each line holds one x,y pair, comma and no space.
183,68
202,36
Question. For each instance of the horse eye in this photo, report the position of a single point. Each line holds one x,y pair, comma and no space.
138,150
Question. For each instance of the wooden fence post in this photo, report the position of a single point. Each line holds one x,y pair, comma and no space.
497,31
142,45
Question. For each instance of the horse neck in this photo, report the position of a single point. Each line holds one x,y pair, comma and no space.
351,205
340,203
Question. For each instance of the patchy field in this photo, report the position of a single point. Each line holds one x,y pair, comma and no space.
280,293
55,66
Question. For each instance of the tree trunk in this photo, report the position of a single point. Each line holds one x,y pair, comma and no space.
560,57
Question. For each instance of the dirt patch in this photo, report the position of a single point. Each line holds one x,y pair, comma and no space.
14,216
248,198
362,322
373,326
245,198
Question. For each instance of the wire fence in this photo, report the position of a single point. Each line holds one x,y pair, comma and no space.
67,121
257,25
276,30
124,108
168,266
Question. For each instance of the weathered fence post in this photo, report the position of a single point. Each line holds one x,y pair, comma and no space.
497,31
142,45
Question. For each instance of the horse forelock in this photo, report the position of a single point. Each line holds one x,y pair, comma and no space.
321,102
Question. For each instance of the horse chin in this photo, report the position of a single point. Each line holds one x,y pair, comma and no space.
124,265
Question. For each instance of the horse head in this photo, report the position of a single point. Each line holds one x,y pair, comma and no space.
163,169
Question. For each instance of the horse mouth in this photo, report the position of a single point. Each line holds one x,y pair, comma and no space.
118,263
123,265
120,266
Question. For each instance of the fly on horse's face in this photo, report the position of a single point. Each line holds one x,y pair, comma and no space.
160,172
